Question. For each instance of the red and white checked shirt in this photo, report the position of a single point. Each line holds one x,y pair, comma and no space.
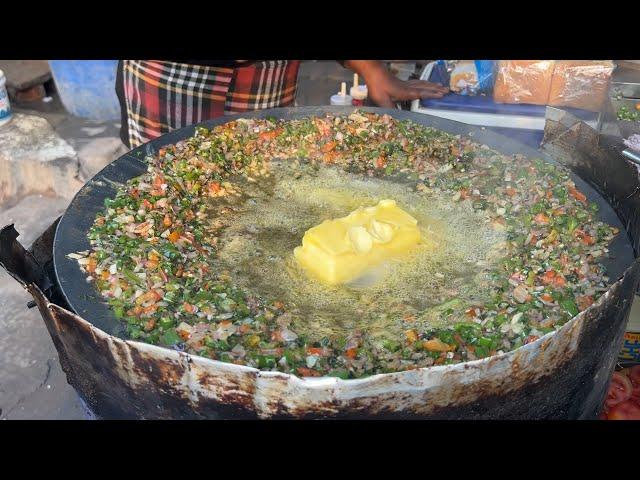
159,96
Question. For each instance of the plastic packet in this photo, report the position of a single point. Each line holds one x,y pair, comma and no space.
523,81
486,75
580,84
471,77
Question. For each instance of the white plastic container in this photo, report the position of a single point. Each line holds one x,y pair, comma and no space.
5,107
341,98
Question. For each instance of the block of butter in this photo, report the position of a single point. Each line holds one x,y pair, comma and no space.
340,250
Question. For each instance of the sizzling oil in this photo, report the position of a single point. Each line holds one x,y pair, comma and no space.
460,247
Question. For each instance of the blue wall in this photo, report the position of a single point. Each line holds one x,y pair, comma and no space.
87,87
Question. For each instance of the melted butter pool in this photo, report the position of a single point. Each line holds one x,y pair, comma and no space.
459,247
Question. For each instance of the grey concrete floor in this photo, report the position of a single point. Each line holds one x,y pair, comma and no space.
32,384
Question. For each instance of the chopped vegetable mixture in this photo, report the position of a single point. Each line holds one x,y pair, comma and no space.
153,244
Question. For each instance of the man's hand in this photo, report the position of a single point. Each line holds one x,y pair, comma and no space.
385,89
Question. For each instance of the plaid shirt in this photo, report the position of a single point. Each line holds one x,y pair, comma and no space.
159,96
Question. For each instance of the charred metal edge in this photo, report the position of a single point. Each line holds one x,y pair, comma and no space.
21,264
563,375
597,159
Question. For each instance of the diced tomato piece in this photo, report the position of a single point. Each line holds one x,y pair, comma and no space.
551,277
330,157
628,410
577,194
437,345
158,180
548,276
584,237
151,264
149,324
620,390
635,393
559,281
270,135
91,265
584,302
412,336
215,187
151,295
541,219
634,376
188,307
307,372
328,147
351,353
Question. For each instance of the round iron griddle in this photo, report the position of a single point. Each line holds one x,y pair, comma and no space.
71,234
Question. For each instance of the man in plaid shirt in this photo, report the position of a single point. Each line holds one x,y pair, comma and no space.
159,96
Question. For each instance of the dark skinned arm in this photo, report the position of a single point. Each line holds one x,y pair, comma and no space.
385,89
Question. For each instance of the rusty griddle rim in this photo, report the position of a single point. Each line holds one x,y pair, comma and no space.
124,379
320,382
72,229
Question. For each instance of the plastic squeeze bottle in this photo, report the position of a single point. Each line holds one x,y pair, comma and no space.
358,93
341,98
